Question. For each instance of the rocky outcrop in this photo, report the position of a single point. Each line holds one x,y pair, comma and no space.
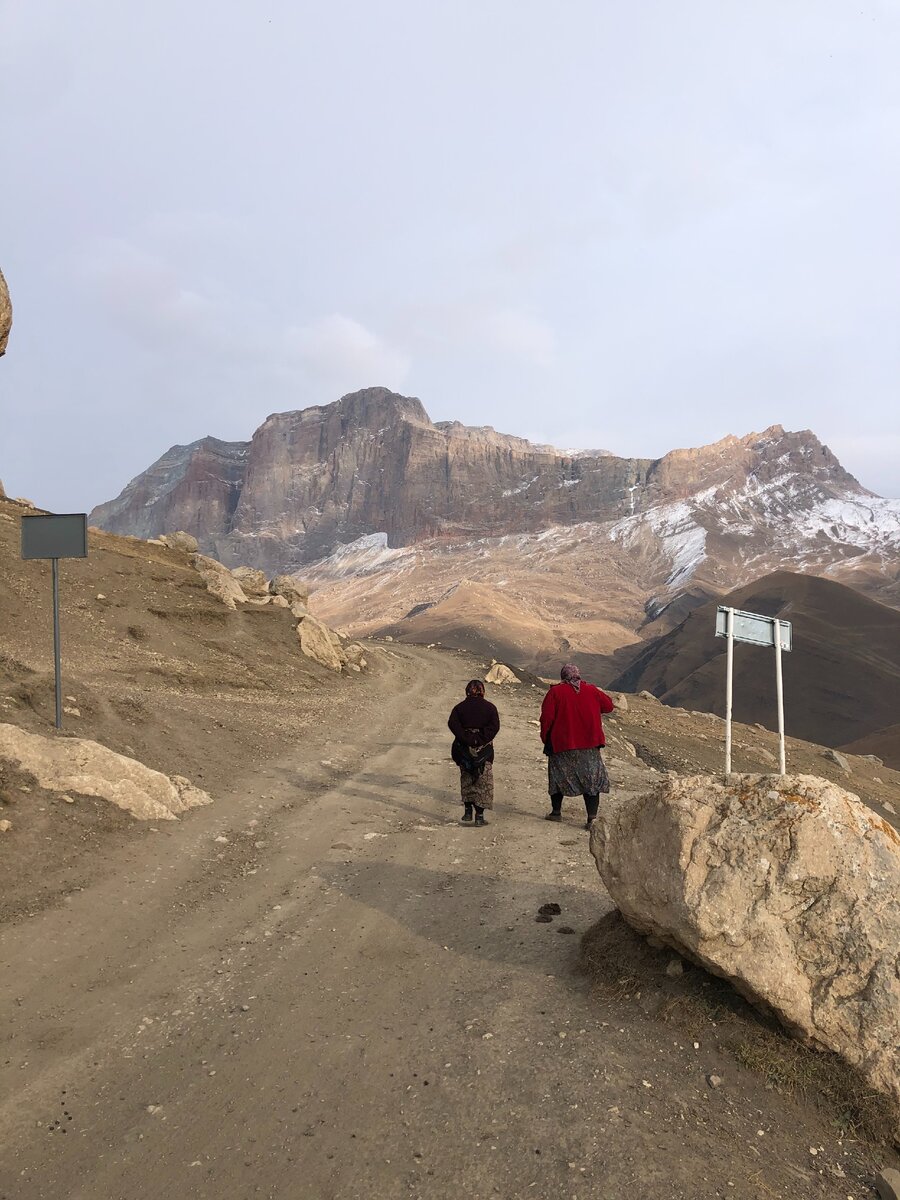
75,765
787,886
219,581
292,589
180,541
253,583
318,642
5,317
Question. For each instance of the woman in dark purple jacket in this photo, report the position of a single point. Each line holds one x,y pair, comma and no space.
474,723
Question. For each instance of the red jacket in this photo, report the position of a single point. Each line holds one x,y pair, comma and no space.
572,720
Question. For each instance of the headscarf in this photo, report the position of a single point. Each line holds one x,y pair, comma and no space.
474,688
571,675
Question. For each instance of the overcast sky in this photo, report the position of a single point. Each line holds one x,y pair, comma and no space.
599,223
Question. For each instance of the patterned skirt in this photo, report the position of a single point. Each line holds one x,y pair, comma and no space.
577,773
477,789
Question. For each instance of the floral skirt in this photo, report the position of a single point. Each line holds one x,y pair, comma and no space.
477,789
577,773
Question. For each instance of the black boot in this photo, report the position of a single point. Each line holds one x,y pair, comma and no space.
556,813
467,813
591,804
479,816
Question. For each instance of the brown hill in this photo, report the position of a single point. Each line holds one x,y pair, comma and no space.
842,679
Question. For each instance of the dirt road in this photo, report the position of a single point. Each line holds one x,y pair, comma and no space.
324,986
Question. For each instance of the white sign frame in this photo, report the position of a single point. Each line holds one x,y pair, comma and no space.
739,626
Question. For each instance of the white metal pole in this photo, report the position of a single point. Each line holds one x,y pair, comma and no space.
780,693
729,679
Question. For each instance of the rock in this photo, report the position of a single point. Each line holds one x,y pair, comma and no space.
253,583
629,748
280,602
180,541
550,910
76,765
355,654
5,320
645,695
675,968
501,673
873,758
316,643
887,1184
292,589
789,887
543,919
715,1081
219,581
5,826
766,755
838,758
621,702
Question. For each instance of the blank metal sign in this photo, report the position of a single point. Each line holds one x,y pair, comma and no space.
753,627
58,536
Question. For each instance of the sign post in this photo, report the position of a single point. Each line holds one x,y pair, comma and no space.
739,626
55,537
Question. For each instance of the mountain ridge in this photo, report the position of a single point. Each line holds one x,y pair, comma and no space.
312,479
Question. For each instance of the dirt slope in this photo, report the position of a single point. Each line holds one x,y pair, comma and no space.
350,997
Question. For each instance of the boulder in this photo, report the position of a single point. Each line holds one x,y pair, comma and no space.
501,673
219,581
5,316
787,886
180,541
292,589
67,765
316,643
355,654
253,583
838,759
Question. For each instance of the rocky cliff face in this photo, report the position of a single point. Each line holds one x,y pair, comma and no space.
373,462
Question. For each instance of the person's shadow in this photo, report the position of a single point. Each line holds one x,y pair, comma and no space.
448,908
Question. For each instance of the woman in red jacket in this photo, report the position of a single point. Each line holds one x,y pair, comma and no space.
572,733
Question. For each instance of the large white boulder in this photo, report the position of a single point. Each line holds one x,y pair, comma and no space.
787,886
501,673
77,765
219,581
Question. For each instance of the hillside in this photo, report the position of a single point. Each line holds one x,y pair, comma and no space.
841,681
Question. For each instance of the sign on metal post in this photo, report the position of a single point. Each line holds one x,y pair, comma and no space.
56,536
738,626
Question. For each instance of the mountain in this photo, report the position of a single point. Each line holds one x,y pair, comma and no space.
841,678
401,523
371,462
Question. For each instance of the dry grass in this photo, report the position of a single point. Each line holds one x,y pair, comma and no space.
622,966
